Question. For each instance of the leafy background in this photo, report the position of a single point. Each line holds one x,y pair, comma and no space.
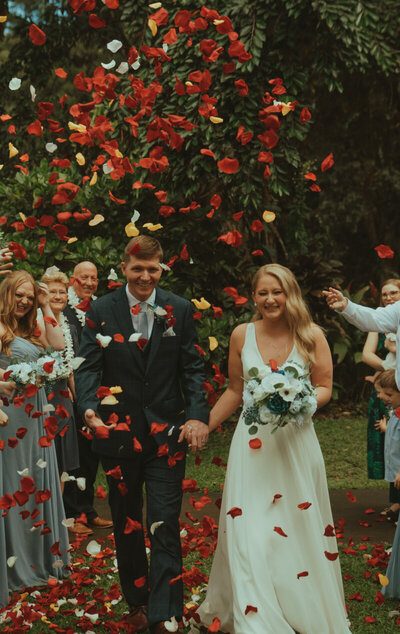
339,59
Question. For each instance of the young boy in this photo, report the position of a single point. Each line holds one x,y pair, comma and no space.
387,391
386,388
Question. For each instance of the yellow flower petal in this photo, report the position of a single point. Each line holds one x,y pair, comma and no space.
3,18
151,227
383,580
93,180
203,304
78,127
286,109
109,400
1,166
269,216
155,5
80,159
116,389
98,218
216,119
213,343
71,240
188,83
22,216
152,26
217,22
12,151
118,154
131,230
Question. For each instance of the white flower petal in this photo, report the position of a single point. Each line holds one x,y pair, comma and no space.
65,477
154,526
104,340
165,267
42,464
112,275
122,68
136,65
170,431
24,472
135,336
114,46
93,547
109,65
135,216
11,561
33,92
70,521
49,408
76,362
107,169
57,564
165,47
15,83
172,625
81,482
51,147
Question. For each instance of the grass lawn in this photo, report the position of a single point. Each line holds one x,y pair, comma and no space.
81,605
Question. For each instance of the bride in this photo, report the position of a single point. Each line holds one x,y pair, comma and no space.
276,566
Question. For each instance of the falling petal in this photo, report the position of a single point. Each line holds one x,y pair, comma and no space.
42,464
15,83
81,482
70,521
80,159
109,65
269,216
135,336
12,150
213,343
25,472
114,46
93,180
131,230
32,90
93,547
151,227
104,340
203,304
98,218
122,68
135,216
11,561
51,147
154,526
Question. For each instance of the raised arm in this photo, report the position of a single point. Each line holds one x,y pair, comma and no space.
51,332
230,400
383,319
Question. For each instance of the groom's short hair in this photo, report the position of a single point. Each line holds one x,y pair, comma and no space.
143,247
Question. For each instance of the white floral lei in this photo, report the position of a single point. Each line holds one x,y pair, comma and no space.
73,301
68,353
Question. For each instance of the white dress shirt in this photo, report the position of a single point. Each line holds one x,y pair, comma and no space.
383,319
132,301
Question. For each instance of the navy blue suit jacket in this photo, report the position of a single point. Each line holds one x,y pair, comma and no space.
163,384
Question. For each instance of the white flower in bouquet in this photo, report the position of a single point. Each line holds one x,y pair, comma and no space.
259,393
51,367
270,382
22,373
289,388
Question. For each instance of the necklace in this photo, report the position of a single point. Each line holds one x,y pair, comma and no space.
73,301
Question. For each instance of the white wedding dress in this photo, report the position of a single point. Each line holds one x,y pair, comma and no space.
256,570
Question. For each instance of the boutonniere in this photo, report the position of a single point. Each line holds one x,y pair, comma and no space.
164,317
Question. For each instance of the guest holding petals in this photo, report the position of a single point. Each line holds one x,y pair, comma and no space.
30,494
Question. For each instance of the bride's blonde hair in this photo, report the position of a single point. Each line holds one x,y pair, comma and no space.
297,313
10,325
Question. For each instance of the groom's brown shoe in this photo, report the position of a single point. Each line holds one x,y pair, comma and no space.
137,618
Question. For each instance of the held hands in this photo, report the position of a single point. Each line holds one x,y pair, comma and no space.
335,299
195,433
93,421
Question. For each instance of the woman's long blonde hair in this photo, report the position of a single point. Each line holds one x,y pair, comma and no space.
297,313
11,326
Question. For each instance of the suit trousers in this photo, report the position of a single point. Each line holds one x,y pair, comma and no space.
76,501
142,584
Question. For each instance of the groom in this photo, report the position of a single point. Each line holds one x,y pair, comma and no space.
140,391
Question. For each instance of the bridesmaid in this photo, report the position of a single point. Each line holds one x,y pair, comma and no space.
373,355
31,524
61,392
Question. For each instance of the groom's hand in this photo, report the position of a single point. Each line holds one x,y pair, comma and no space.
93,421
335,299
196,434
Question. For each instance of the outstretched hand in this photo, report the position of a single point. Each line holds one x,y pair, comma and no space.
195,432
335,299
5,261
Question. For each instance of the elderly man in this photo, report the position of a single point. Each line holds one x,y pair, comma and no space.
79,504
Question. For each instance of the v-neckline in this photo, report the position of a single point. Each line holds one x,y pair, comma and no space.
259,353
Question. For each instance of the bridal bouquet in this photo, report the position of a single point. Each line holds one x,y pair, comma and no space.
278,396
52,367
22,373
